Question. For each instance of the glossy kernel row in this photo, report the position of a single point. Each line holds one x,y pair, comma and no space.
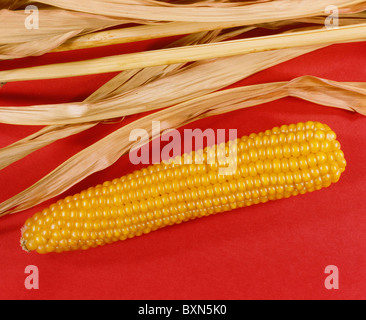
275,164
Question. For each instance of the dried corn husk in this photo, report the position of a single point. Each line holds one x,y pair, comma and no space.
176,55
34,48
61,25
142,32
146,32
12,4
348,96
121,83
192,82
199,103
56,26
161,11
344,20
354,8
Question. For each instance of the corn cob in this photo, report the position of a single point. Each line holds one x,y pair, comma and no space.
275,164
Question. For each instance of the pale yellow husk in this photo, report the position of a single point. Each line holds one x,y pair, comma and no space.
153,84
121,83
184,54
141,32
60,25
159,11
55,27
190,83
100,155
146,32
12,4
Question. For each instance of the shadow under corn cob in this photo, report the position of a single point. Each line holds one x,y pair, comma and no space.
275,164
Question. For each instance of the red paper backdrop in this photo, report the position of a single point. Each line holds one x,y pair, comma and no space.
277,250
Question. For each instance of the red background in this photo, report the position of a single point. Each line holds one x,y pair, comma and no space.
277,250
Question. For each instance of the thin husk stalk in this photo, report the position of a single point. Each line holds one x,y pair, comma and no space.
344,20
191,82
140,33
123,82
148,32
58,26
104,153
226,73
187,54
250,14
129,80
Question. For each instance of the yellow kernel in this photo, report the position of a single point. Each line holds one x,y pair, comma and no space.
295,150
319,135
276,166
294,164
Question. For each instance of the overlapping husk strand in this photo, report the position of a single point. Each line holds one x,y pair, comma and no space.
216,11
187,54
57,26
64,20
152,88
185,80
104,153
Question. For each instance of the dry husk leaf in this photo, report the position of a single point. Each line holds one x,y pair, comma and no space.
51,22
344,20
12,4
178,55
55,26
102,154
146,32
34,48
123,82
192,82
354,8
139,33
254,13
60,25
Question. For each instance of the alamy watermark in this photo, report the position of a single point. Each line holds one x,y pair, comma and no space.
32,281
218,152
32,20
332,281
332,20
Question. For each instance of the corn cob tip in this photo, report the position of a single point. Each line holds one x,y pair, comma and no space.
23,242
